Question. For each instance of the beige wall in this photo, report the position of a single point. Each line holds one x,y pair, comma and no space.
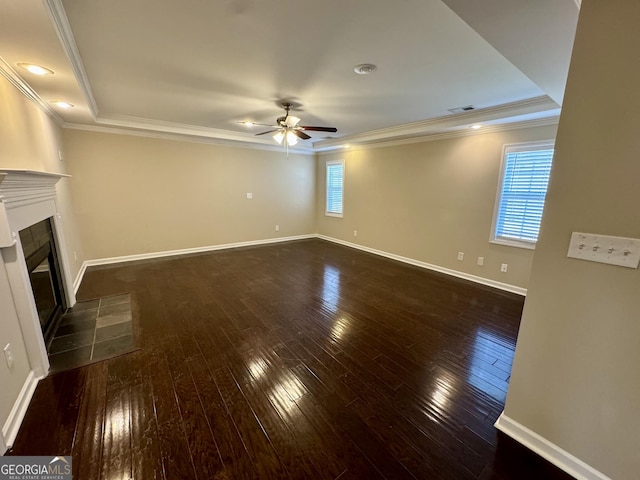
136,195
29,140
576,379
428,201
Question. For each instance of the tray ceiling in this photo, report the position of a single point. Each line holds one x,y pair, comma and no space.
198,67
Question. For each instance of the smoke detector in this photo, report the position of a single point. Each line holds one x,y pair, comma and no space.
364,68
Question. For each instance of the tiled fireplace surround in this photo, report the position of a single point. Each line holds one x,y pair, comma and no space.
26,198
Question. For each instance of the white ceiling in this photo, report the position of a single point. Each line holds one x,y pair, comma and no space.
197,67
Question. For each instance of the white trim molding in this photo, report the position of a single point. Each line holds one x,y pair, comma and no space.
67,40
181,133
436,268
3,445
19,410
548,450
187,251
542,105
21,188
23,87
183,251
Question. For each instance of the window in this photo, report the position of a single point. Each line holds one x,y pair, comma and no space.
523,187
335,184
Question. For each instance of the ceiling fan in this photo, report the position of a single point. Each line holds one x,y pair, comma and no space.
287,128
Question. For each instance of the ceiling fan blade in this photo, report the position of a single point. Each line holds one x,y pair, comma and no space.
254,124
268,131
300,134
319,129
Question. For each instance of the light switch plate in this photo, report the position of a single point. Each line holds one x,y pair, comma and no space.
621,251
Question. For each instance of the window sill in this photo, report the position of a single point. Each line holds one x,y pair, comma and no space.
513,243
337,215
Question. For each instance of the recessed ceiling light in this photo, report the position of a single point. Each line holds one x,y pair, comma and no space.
364,68
248,124
36,69
63,104
475,127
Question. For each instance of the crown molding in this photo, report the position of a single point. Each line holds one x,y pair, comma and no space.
466,132
187,133
182,129
12,76
437,125
68,41
185,137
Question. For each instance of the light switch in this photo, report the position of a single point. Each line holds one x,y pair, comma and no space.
621,251
249,195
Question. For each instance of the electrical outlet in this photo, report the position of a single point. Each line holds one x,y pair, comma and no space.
249,195
277,228
355,233
481,261
8,355
460,255
503,268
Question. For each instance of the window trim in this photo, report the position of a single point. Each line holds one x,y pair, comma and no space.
326,188
508,148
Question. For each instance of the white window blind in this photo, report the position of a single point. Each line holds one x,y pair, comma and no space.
335,188
525,177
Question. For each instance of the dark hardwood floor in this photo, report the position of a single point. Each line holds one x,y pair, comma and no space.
303,360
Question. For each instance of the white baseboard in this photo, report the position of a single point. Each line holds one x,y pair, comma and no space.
79,277
3,445
17,413
184,251
548,450
148,256
454,273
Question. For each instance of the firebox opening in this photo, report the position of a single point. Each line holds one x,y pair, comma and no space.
45,275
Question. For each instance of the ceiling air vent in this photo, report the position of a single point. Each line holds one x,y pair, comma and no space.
468,108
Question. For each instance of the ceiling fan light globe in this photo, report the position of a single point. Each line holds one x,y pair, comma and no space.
292,121
291,139
278,137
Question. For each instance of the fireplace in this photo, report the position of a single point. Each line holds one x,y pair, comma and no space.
41,257
33,250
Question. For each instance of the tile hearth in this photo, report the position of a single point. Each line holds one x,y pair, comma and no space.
92,331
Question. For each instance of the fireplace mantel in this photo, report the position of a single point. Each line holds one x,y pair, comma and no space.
24,187
19,189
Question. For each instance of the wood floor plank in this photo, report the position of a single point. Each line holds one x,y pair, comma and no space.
176,457
117,461
267,462
145,443
87,444
233,453
202,444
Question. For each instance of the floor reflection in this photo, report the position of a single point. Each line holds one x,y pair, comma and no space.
340,328
331,288
491,359
441,394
